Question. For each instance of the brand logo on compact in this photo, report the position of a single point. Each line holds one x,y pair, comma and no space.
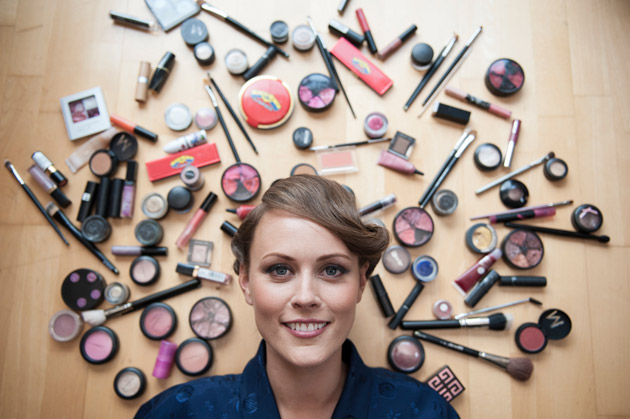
361,65
181,161
266,100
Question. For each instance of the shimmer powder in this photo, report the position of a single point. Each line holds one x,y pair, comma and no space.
522,249
194,356
413,227
210,318
144,270
99,345
65,325
405,354
530,338
129,383
158,321
481,238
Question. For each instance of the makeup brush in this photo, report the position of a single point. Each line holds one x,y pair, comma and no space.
519,368
98,317
206,85
516,172
497,321
500,306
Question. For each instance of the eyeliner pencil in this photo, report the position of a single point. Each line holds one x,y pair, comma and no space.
454,63
227,105
221,120
434,67
31,195
239,26
58,215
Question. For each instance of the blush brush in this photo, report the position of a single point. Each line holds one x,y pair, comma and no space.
497,321
519,368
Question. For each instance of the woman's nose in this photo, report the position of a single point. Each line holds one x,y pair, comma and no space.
306,293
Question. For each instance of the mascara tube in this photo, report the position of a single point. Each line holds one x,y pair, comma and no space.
523,281
411,298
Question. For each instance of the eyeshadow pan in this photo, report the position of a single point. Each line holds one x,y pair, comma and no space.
530,338
481,238
99,345
144,270
522,249
210,318
158,321
194,357
65,325
129,383
405,354
396,259
413,227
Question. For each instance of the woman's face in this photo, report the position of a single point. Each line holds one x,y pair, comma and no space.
304,285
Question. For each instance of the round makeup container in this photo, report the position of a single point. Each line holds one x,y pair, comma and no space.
587,218
553,324
99,345
302,138
158,321
154,206
555,169
116,293
240,182
413,227
375,125
421,56
442,310
279,32
103,163
302,38
481,238
144,270
444,202
194,357
316,92
96,229
124,145
396,259
65,325
513,193
522,249
191,176
424,268
178,117
206,118
236,62
83,289
149,232
180,199
303,169
130,383
504,77
204,53
210,318
405,354
194,31
265,102
488,157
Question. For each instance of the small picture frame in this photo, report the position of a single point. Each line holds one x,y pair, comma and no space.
85,113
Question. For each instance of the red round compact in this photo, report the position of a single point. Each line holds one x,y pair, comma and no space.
266,102
504,77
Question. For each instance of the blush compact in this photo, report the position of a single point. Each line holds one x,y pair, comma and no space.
446,383
158,321
504,77
316,92
396,259
488,157
413,227
99,345
83,289
405,354
266,102
130,383
144,270
210,318
240,182
194,357
522,249
103,163
553,324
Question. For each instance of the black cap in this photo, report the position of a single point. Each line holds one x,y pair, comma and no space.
279,31
179,198
555,323
154,251
194,31
184,268
229,228
209,202
422,54
124,145
340,29
407,34
302,138
132,170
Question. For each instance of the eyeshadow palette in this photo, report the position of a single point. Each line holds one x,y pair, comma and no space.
446,383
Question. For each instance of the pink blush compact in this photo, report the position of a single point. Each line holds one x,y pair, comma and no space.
99,345
210,318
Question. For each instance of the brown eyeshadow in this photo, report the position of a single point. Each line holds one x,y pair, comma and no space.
522,249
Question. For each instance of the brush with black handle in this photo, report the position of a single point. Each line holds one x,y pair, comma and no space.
497,321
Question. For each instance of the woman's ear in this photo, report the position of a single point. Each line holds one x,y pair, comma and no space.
243,281
362,280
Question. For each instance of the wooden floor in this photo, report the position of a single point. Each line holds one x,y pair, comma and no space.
575,102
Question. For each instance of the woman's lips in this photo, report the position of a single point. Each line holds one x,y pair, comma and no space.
306,329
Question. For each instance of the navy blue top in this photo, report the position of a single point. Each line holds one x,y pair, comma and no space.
367,393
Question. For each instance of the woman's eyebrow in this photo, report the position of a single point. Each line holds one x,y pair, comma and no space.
332,256
319,259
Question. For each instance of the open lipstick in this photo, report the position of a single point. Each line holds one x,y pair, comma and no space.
196,220
366,31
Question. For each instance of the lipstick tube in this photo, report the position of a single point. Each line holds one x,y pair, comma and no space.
383,203
468,279
514,133
196,220
115,198
396,43
102,197
129,190
162,72
466,97
197,271
49,186
46,165
339,29
411,298
242,211
522,215
523,281
87,201
366,31
142,85
165,359
130,126
381,296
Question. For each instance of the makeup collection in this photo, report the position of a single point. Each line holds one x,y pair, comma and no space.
266,102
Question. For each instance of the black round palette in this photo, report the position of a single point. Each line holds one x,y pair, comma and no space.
83,289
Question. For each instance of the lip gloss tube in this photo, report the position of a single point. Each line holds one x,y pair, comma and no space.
366,31
199,272
196,220
397,43
130,126
480,103
394,162
139,250
242,211
382,203
49,186
129,190
468,279
48,167
411,298
522,215
516,130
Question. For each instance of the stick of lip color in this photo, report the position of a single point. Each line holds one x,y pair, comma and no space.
467,97
517,210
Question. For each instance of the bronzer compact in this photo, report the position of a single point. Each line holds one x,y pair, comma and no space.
553,324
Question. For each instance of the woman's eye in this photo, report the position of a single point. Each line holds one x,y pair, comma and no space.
334,270
278,270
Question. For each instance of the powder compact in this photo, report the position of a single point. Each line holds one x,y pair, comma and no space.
96,228
154,206
83,289
487,157
316,92
279,32
396,259
204,53
522,249
191,176
194,357
158,321
206,118
65,325
178,117
401,145
236,62
424,268
149,232
116,293
421,56
504,77
513,193
210,318
481,238
587,218
303,169
103,163
240,182
130,383
405,354
124,145
444,202
302,138
144,270
413,227
266,102
180,199
375,125
553,324
302,38
99,345
555,169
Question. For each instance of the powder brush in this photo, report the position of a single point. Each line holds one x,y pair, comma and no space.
497,321
519,368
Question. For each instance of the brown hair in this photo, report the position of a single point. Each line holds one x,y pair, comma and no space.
321,201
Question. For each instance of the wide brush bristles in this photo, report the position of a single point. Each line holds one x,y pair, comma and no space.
94,317
520,368
500,321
